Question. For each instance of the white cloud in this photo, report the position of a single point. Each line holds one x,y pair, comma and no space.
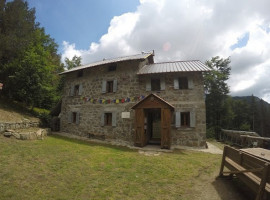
193,29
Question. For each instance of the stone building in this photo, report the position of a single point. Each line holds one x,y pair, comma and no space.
136,101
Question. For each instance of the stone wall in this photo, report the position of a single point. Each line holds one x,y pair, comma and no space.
129,84
17,125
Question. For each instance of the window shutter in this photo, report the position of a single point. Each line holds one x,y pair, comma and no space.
190,83
162,83
102,119
114,85
69,117
176,83
114,119
148,84
72,90
77,117
177,119
192,119
80,89
104,84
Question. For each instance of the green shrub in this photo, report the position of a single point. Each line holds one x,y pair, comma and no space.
43,115
210,132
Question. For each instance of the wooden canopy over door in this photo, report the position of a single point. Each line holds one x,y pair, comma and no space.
153,101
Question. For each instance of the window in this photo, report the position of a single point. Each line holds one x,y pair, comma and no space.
155,84
112,67
109,86
76,90
185,119
183,83
80,73
74,117
108,119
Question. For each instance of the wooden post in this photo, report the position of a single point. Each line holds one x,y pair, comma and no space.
263,182
222,162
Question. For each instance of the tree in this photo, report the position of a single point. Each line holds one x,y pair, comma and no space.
216,90
74,62
29,63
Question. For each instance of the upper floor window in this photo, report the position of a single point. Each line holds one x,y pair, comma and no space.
183,83
155,84
109,86
108,119
76,90
112,67
80,73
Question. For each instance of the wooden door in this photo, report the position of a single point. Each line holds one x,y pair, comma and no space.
165,128
139,131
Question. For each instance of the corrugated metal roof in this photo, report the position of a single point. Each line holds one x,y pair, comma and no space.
178,66
108,61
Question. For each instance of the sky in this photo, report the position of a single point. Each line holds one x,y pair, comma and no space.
175,29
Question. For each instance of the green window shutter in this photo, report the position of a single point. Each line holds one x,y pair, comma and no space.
69,117
104,84
176,83
190,83
102,121
77,117
148,85
114,119
192,119
72,90
80,89
177,119
114,85
162,83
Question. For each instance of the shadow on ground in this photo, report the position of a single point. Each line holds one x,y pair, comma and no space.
231,188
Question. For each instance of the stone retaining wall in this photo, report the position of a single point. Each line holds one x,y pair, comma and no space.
17,125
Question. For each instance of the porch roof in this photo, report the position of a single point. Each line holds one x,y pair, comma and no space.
153,95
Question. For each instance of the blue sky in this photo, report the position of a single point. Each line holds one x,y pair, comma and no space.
79,21
175,29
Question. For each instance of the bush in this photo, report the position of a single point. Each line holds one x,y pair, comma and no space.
210,132
43,115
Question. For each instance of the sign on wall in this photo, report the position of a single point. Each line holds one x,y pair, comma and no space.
125,115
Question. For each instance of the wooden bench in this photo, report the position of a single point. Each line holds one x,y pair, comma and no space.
251,170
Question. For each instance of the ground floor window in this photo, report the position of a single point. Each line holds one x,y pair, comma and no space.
185,119
74,117
108,119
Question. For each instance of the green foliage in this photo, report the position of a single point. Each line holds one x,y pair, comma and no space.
210,132
29,63
43,115
74,62
216,90
244,127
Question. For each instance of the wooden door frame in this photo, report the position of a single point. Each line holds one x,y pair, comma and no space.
150,102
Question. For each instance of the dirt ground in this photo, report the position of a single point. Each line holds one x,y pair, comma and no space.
214,188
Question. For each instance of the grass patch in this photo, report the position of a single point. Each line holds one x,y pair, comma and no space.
61,168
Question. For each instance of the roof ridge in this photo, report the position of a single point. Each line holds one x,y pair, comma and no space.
176,61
